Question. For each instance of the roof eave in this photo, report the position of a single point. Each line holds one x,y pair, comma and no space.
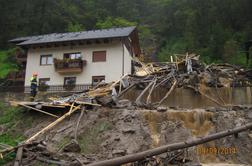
63,41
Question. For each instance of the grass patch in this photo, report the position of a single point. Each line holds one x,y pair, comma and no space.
90,140
63,142
13,120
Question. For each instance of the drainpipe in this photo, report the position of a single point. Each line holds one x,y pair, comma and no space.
122,57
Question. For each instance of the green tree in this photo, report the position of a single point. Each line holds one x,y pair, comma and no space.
110,22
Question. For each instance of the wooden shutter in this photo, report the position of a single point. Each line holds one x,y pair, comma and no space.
99,56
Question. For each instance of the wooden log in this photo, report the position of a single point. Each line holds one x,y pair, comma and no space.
148,100
10,149
126,90
19,155
78,123
169,148
72,110
138,100
168,93
54,162
35,109
205,95
210,98
115,83
86,103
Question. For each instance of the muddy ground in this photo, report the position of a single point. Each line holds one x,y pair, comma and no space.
106,133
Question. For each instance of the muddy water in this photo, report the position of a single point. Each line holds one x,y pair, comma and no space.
197,123
187,98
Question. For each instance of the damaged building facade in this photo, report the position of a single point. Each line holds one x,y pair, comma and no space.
74,61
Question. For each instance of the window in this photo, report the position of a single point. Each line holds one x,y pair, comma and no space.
68,81
72,55
97,79
99,56
46,60
44,81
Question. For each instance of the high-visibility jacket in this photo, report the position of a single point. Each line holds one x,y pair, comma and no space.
34,83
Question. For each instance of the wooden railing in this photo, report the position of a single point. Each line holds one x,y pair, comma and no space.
61,88
49,89
69,65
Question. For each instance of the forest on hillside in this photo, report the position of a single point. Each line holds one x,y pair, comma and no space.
214,29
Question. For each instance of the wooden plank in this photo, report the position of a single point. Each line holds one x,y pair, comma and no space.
86,103
72,110
47,113
19,155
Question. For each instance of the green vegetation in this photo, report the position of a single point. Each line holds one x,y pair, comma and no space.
7,62
63,142
114,22
10,118
217,31
90,141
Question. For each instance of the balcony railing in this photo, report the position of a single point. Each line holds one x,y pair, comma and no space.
66,66
61,88
49,89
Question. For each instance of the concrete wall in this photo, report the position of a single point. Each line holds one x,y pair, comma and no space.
112,68
187,98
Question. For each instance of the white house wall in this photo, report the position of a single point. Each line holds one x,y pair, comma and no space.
112,68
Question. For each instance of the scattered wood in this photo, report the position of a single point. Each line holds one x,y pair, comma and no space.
78,123
168,93
148,100
52,161
18,160
169,148
72,110
35,109
138,100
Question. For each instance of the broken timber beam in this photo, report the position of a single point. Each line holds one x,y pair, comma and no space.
47,113
169,148
168,93
52,124
19,155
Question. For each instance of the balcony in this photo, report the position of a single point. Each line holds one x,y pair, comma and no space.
69,66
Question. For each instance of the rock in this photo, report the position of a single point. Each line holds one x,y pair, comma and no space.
73,146
119,152
124,103
250,135
117,138
128,130
239,122
161,109
250,115
41,147
105,144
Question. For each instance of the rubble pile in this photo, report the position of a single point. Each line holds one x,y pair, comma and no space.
187,72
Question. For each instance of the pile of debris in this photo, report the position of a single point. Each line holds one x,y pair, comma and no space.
187,72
